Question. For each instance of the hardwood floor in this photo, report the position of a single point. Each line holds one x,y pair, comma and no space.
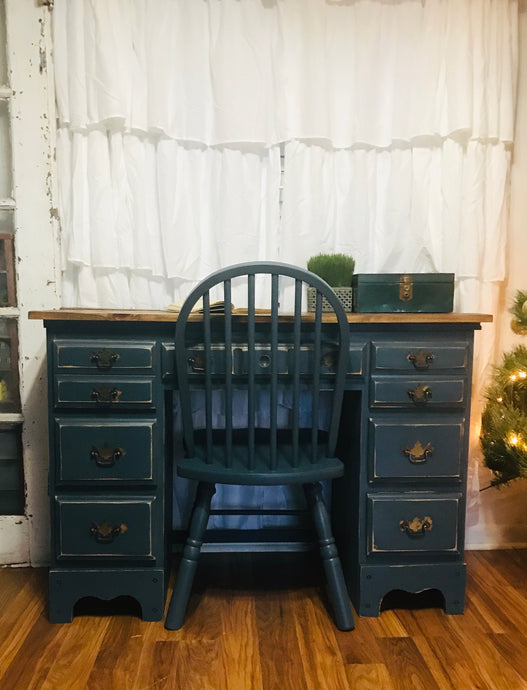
259,622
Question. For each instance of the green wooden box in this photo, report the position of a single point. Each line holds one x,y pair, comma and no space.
403,292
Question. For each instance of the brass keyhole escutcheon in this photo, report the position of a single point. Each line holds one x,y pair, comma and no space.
264,361
406,288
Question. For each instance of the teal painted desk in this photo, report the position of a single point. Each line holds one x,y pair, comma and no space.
399,512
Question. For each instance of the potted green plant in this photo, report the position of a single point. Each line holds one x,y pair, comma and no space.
337,271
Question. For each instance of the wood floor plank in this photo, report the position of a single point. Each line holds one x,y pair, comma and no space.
258,625
240,648
18,617
513,646
406,666
505,562
41,645
505,605
193,665
322,661
496,669
454,655
427,649
115,665
80,644
425,621
388,624
519,556
10,584
276,631
360,646
368,677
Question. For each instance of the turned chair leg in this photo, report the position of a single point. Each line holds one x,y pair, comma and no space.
338,592
189,561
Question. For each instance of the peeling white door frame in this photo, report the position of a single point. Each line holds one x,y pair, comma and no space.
25,540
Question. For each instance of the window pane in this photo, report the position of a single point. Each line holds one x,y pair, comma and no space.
6,187
9,397
3,42
11,477
7,272
7,222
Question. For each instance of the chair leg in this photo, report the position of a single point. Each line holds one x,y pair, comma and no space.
328,551
189,561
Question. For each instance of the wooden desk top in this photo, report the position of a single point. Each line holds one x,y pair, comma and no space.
143,315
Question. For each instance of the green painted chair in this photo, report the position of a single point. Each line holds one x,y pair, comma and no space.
280,357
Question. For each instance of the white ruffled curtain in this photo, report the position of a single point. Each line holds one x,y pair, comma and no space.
395,121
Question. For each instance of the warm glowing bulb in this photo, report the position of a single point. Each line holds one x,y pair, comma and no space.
513,440
500,399
513,377
522,374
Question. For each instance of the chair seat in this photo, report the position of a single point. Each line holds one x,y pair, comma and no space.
197,467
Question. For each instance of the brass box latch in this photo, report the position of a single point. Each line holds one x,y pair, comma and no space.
406,288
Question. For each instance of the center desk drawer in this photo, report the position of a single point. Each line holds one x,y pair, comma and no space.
399,523
98,450
103,355
103,392
104,527
356,359
396,391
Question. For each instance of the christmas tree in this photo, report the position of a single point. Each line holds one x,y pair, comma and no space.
504,421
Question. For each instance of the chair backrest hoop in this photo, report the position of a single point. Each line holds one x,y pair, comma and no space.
208,378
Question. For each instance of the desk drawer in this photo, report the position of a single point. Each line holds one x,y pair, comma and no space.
97,450
404,448
399,523
328,359
103,355
398,391
104,527
103,392
356,360
419,356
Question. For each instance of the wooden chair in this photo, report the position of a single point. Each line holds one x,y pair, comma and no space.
281,355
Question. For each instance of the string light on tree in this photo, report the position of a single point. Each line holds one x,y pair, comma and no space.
504,421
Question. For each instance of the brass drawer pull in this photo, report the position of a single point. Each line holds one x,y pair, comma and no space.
421,360
329,360
420,394
106,533
197,363
104,359
417,453
105,456
105,395
416,527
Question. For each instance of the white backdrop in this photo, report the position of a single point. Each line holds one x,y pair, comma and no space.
395,119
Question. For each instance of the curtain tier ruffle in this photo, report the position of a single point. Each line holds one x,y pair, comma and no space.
265,71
